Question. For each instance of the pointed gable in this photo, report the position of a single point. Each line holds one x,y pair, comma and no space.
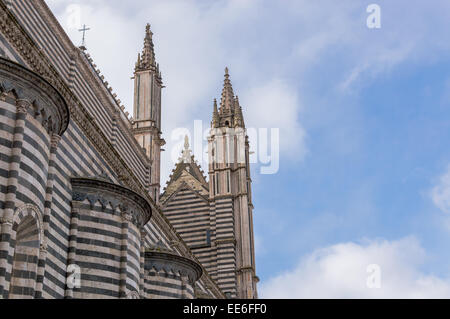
186,171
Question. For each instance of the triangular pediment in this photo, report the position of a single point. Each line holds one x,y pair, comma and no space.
189,174
182,184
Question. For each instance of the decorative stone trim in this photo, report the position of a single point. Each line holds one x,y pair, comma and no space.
170,262
35,96
22,105
35,213
133,207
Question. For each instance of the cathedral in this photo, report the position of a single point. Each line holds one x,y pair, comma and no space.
82,211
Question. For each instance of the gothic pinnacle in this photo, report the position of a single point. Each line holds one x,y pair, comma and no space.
186,143
215,121
186,154
238,118
147,59
226,102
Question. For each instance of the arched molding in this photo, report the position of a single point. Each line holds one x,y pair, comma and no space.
29,210
170,263
132,207
33,94
28,249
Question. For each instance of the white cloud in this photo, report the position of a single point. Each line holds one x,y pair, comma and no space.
276,104
340,271
269,57
192,45
440,194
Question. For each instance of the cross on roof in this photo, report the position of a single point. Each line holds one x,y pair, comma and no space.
84,29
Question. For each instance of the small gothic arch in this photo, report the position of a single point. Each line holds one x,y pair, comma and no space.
26,241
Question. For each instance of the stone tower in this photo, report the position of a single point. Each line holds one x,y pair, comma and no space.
230,194
147,111
214,217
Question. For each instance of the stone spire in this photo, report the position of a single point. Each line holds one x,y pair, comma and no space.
216,118
146,61
147,111
186,154
238,117
226,103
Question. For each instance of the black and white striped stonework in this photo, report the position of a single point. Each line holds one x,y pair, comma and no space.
32,112
189,214
59,52
107,242
225,245
201,223
42,150
169,276
25,256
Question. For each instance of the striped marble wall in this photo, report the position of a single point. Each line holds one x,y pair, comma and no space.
169,276
38,166
33,116
208,228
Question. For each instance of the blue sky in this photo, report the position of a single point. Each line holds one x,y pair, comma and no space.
364,119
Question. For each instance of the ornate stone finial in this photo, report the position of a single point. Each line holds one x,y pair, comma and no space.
216,119
226,102
186,154
238,117
186,143
147,59
138,62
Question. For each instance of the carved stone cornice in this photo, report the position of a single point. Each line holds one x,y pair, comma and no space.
170,262
132,206
198,294
245,269
146,129
33,94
